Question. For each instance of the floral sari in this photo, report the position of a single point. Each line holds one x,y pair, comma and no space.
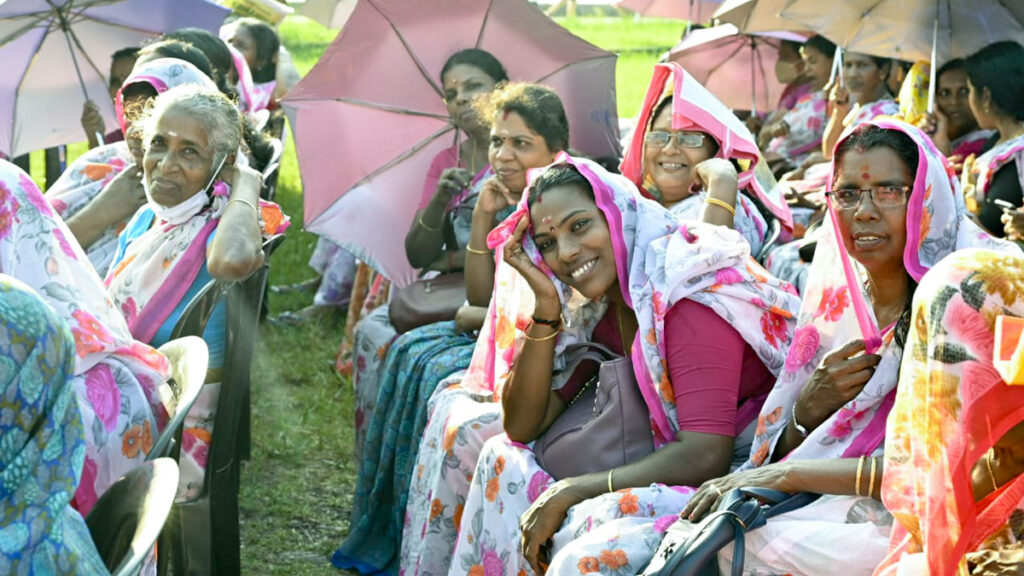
1011,151
951,407
806,121
41,457
664,262
116,378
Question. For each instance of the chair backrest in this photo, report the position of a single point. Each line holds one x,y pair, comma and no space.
128,517
270,172
771,238
198,311
189,358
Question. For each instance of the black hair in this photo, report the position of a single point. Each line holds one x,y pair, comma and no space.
267,46
481,59
867,137
999,68
128,52
216,52
181,51
539,107
954,64
791,45
557,176
821,44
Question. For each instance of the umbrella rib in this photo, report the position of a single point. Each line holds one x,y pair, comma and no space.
483,25
85,54
17,91
573,63
375,106
34,20
415,60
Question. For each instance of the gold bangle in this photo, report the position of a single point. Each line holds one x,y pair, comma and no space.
424,225
472,250
542,338
871,482
611,488
721,204
860,469
991,475
246,202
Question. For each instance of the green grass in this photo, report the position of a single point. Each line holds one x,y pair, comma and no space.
297,489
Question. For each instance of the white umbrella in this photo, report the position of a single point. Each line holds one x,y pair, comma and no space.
752,16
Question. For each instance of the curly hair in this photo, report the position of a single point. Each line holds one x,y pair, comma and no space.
539,107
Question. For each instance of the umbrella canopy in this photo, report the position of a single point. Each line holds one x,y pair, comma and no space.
693,10
330,13
369,117
752,16
905,29
737,68
56,54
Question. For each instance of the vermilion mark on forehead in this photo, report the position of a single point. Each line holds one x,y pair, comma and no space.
504,114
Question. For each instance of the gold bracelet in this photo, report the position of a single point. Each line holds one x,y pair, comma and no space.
991,475
871,482
721,204
424,225
472,250
541,339
860,469
610,487
247,203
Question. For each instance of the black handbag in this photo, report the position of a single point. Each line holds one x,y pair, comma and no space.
742,510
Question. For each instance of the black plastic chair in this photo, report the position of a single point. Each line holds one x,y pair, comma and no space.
128,518
202,536
771,239
189,358
272,170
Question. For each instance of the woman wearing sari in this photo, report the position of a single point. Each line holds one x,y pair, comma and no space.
954,471
40,468
529,128
415,362
894,212
116,378
863,96
681,125
194,228
995,78
706,331
102,189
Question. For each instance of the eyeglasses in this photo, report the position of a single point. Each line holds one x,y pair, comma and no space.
883,197
660,139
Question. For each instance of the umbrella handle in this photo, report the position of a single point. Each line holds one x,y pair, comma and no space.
931,70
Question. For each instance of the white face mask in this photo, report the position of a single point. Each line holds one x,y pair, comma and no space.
181,212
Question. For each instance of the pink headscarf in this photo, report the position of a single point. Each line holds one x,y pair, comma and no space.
162,74
695,108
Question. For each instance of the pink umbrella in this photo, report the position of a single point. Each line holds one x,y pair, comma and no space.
692,10
368,118
737,68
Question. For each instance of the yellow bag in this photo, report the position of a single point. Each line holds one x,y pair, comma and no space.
913,95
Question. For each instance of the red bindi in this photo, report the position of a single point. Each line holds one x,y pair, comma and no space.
865,176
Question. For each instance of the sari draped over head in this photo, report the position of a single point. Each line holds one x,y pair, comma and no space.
246,99
695,108
951,408
660,262
990,162
43,449
836,309
162,74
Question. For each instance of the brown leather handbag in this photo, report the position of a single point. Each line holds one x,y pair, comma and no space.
427,301
605,426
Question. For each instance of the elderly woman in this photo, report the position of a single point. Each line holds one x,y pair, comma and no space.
103,188
528,129
203,220
40,469
670,159
115,377
894,212
705,331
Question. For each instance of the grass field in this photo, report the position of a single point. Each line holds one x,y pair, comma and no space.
297,489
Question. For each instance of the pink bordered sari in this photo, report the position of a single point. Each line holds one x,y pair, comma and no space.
836,309
664,262
162,74
695,108
117,378
990,162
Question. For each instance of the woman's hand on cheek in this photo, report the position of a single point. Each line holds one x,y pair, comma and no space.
715,172
515,256
494,196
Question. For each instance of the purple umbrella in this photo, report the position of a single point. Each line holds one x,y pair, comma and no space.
56,54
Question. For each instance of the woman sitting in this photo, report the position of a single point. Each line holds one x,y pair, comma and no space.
684,303
894,213
954,129
861,97
41,468
681,127
101,189
528,128
259,44
954,470
995,77
115,377
192,230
